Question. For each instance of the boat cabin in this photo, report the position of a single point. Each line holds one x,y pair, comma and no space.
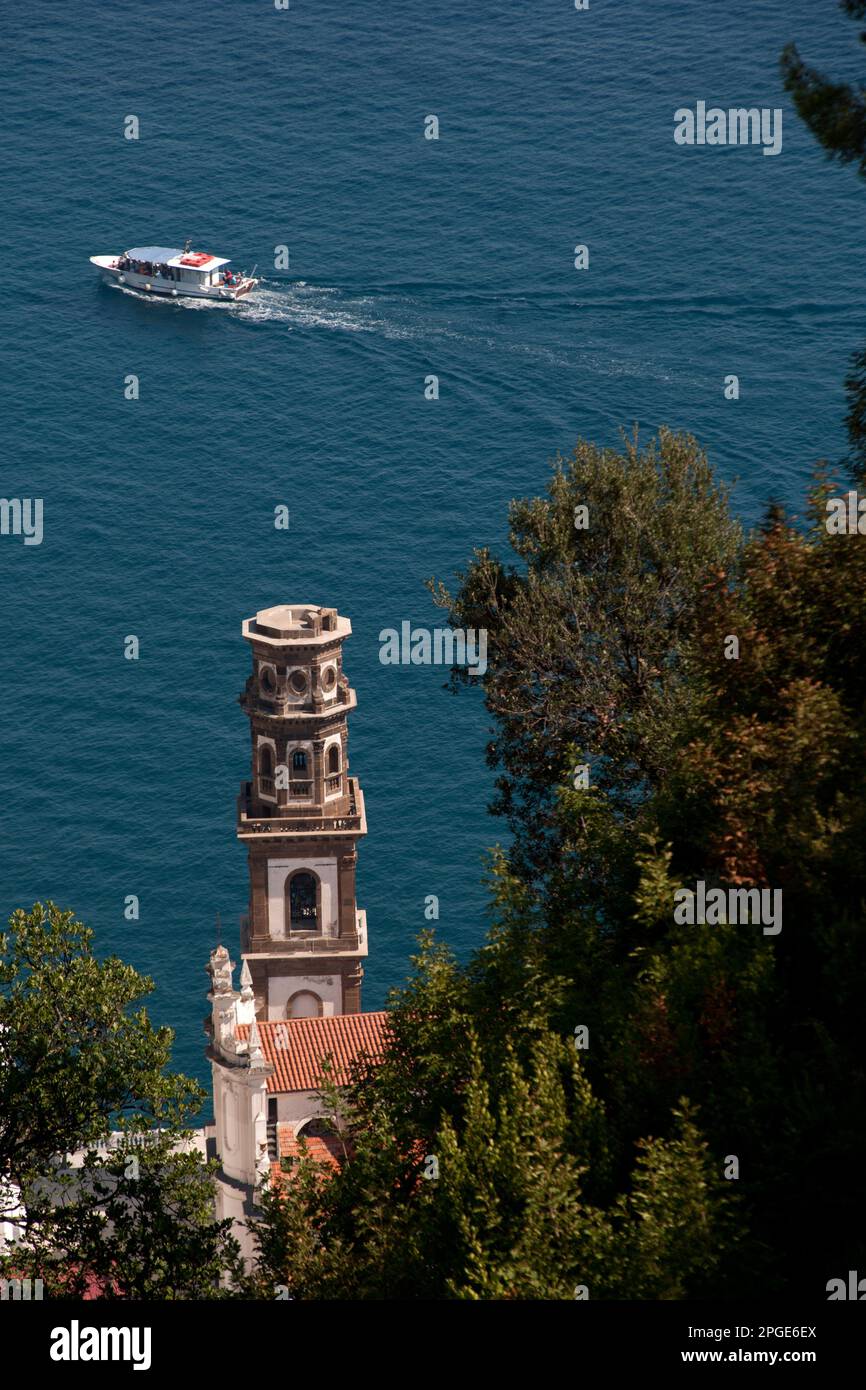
176,268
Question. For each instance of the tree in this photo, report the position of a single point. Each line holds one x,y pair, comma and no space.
835,112
761,784
135,1222
586,638
771,789
75,1063
466,1175
729,1059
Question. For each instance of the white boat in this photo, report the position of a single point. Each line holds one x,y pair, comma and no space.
176,274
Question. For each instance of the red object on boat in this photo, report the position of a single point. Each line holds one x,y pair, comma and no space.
197,258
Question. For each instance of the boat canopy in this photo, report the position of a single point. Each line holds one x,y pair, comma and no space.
170,255
160,254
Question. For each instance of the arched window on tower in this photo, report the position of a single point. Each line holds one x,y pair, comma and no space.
302,782
302,902
266,770
332,769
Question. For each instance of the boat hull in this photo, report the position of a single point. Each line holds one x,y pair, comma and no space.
159,288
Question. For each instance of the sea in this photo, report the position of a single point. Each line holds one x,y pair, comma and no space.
295,140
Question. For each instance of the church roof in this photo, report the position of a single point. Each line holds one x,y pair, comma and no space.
296,1047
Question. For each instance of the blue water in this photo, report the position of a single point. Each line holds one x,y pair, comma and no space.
407,257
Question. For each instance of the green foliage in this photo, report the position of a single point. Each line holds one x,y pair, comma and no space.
605,1167
71,1054
490,1153
75,1063
678,1218
586,638
835,112
504,1216
136,1222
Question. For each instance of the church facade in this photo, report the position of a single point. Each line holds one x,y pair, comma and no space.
303,940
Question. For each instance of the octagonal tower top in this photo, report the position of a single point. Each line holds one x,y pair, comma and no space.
298,624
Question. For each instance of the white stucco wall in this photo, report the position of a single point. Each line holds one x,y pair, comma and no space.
282,987
240,1113
298,1106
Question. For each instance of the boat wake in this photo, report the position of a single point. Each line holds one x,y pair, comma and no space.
300,305
296,304
428,314
431,314
408,313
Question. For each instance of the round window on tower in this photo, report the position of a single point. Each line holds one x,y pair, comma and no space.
268,680
298,682
329,678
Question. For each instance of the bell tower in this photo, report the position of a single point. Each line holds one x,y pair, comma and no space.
301,816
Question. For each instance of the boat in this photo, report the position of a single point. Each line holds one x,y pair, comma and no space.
176,274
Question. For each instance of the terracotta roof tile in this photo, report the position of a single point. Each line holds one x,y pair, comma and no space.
326,1150
296,1047
321,1148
